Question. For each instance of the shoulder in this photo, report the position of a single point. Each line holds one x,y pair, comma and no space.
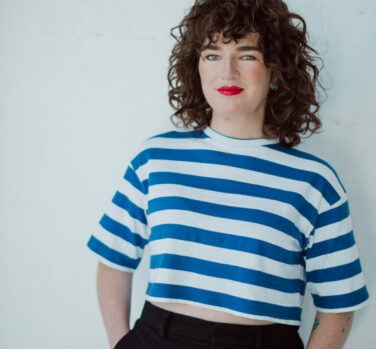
173,134
168,138
154,144
318,170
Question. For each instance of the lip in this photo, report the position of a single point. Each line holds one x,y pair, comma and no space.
230,90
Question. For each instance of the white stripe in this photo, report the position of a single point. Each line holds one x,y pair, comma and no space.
221,285
122,216
331,288
303,164
346,309
224,256
279,208
116,243
331,231
263,153
224,225
333,259
239,174
128,190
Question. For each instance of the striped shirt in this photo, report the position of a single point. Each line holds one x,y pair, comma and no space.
236,225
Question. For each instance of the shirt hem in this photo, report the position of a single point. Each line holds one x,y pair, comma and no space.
346,309
112,265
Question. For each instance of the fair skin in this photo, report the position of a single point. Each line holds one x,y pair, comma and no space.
239,115
242,116
114,294
330,330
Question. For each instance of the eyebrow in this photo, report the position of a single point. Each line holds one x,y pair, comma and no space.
239,48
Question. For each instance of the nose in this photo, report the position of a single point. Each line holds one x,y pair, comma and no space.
229,69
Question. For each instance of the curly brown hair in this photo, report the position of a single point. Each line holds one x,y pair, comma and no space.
290,110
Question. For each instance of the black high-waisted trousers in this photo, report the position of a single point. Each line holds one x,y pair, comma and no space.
161,329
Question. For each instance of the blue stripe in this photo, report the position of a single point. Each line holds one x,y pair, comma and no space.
224,240
112,255
235,187
131,176
122,231
226,271
134,211
230,212
336,273
334,215
342,300
246,162
241,305
332,245
181,134
304,155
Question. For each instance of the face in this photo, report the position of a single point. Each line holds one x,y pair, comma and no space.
231,65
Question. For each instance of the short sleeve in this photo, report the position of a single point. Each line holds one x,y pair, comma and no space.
333,269
119,239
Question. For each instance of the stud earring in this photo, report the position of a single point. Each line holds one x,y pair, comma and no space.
274,88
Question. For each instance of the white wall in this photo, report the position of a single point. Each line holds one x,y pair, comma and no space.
82,83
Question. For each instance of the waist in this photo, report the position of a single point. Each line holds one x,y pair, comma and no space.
208,314
165,322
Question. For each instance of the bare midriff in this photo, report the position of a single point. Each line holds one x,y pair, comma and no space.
208,314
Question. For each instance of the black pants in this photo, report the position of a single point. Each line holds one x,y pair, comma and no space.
161,329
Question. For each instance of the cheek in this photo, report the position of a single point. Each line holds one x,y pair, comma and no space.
259,76
206,74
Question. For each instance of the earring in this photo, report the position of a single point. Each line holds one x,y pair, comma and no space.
274,88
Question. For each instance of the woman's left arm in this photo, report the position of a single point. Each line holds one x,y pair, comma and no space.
330,330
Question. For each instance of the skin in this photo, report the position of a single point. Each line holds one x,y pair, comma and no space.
114,288
242,116
330,330
239,115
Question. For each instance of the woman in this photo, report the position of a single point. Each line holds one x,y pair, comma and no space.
238,221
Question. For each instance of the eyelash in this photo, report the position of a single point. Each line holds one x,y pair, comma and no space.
254,58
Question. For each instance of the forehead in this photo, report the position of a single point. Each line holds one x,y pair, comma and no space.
249,39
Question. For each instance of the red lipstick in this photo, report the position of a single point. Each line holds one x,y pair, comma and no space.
230,90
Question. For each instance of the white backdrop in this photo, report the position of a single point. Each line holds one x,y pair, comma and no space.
82,84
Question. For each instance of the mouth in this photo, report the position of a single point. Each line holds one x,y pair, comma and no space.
228,91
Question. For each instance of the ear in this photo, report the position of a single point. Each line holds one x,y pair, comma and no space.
273,79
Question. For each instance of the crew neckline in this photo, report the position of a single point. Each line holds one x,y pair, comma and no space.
220,138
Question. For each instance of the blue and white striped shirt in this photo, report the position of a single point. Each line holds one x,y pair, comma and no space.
235,225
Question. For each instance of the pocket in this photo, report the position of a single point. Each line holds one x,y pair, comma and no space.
295,344
120,343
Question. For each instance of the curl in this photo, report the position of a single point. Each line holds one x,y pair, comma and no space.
290,111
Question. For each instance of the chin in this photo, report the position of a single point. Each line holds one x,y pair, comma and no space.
231,110
227,115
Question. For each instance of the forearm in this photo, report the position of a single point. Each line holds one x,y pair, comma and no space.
114,293
330,330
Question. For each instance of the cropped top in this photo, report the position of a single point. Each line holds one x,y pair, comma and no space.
236,225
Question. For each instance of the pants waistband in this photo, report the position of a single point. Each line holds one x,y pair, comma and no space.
166,322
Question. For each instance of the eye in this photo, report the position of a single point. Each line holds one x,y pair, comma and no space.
207,57
251,59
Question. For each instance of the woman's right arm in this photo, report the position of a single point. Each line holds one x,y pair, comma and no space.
114,293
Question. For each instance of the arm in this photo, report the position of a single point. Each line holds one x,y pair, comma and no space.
330,330
114,293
